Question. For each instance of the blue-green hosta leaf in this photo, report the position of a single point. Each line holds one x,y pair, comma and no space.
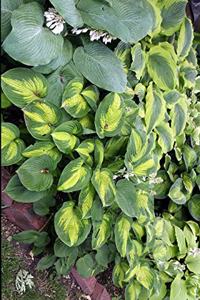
103,183
176,192
101,231
128,15
72,100
122,228
166,137
29,42
68,11
188,73
194,207
155,108
41,148
178,289
178,116
185,38
119,272
75,176
85,200
193,262
36,173
172,97
109,116
98,64
19,193
7,7
41,118
69,226
105,255
22,86
172,13
162,68
138,60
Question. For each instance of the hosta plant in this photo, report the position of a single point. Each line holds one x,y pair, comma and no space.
102,124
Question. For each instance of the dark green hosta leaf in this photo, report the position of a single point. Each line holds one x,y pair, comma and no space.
114,146
46,262
86,265
98,64
178,116
69,227
61,249
185,38
128,15
39,239
68,11
101,231
193,261
75,176
178,289
109,116
36,173
194,207
176,192
105,255
122,228
42,207
29,42
162,189
63,265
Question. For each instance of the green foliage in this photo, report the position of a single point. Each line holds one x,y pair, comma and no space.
109,146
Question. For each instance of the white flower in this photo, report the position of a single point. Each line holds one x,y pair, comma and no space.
54,21
23,279
194,251
94,34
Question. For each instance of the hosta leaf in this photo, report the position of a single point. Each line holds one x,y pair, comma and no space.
155,108
102,181
98,64
193,263
19,193
104,255
9,132
122,228
166,137
86,198
61,249
46,262
85,148
194,207
144,167
98,153
29,42
176,192
162,68
42,207
132,291
179,117
119,272
189,157
64,264
126,197
69,227
68,11
86,265
145,276
185,38
114,146
178,289
36,173
138,60
172,97
41,118
91,95
109,116
180,237
22,86
101,231
123,52
72,100
75,176
128,15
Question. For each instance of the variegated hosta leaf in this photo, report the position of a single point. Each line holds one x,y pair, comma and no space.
64,138
98,153
109,116
9,132
178,116
91,95
22,86
162,68
72,101
102,181
185,38
194,207
36,173
123,52
29,42
178,289
166,136
145,276
101,231
119,272
85,201
138,60
85,148
189,157
122,228
75,176
132,291
69,226
177,193
41,148
41,118
172,97
114,146
188,73
155,108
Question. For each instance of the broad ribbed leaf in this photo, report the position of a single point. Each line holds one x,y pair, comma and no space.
109,116
122,228
126,14
75,176
166,137
29,42
185,38
98,64
126,197
178,116
101,231
69,227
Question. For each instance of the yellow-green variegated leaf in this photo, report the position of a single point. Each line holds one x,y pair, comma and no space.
101,231
144,167
12,153
41,148
155,108
122,229
72,100
103,183
132,291
162,68
166,136
85,148
75,176
9,132
22,86
86,198
123,53
69,226
145,277
109,116
178,116
41,118
138,60
91,95
119,272
185,38
98,153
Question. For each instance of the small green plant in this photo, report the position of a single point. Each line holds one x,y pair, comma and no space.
109,146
